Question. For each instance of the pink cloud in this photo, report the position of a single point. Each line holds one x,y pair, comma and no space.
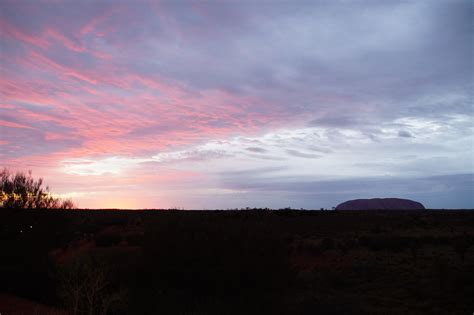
91,26
44,63
9,124
14,89
73,45
17,34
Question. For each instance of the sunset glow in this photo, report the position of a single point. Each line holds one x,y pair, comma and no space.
205,105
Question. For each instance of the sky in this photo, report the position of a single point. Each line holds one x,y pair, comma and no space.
225,104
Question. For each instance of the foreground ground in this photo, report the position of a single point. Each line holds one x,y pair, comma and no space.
236,262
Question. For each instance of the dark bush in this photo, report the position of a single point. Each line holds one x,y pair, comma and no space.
442,240
328,244
427,239
346,245
310,247
134,239
108,239
461,245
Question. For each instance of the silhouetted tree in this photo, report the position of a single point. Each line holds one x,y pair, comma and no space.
22,191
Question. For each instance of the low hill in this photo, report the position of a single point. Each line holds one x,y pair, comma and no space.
380,204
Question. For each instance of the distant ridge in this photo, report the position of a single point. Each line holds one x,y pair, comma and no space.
380,204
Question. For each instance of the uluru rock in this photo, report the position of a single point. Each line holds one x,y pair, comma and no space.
380,204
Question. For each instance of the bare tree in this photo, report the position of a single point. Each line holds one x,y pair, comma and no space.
86,288
72,285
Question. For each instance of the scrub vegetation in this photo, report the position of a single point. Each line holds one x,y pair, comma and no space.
240,262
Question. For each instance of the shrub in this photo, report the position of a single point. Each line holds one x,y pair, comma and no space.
134,239
327,244
108,239
346,245
22,191
310,247
461,245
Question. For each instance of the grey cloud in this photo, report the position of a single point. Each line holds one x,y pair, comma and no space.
405,134
252,172
256,150
336,121
302,154
319,149
266,157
